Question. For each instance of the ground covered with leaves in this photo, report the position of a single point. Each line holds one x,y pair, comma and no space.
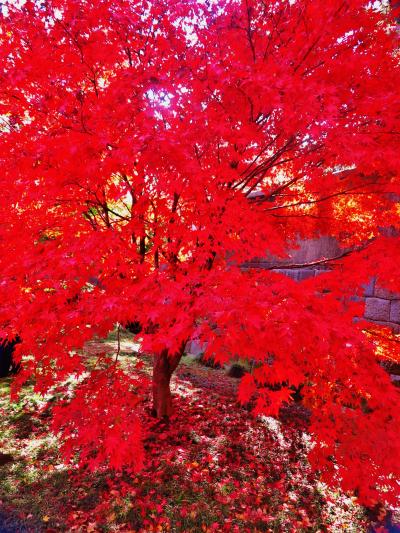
211,468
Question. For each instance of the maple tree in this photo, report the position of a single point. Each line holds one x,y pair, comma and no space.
134,138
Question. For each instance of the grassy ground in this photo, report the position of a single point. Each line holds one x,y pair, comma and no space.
212,469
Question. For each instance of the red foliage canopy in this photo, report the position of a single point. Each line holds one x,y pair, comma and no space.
132,137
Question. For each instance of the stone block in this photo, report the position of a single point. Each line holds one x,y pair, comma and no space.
369,287
380,292
290,273
305,274
195,348
394,327
395,311
377,309
314,249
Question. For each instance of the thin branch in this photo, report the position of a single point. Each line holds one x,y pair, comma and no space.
249,32
118,343
322,261
323,198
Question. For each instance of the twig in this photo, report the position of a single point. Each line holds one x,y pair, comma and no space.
118,342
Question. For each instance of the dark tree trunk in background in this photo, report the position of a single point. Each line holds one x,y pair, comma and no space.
8,366
164,367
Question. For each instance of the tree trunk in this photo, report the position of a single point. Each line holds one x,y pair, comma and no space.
8,366
164,366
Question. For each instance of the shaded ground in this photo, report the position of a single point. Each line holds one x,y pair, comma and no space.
213,468
9,523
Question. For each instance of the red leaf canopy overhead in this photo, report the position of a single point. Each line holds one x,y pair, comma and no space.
133,136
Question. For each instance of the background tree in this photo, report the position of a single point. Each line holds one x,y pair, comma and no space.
8,367
133,136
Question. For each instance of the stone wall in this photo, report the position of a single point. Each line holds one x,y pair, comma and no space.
381,306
